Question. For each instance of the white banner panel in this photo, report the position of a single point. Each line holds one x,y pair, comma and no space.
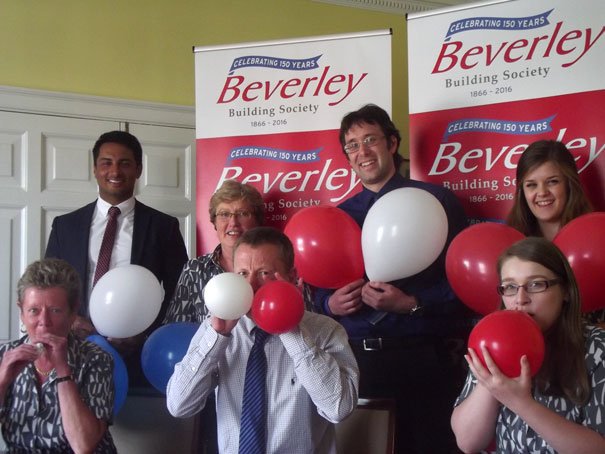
488,79
509,51
268,114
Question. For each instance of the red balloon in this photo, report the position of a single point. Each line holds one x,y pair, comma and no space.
471,260
508,335
327,246
582,241
277,307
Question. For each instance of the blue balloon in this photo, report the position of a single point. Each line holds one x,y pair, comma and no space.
163,349
120,374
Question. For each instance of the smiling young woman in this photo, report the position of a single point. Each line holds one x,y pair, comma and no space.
549,193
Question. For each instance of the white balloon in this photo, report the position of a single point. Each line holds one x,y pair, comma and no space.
125,301
228,296
403,233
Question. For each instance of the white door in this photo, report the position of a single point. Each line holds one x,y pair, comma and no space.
168,180
46,170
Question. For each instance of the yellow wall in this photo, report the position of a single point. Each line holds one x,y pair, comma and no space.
142,49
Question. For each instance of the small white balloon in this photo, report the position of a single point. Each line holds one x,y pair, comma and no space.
228,296
125,301
403,233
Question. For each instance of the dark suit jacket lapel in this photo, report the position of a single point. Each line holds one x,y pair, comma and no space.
139,232
81,242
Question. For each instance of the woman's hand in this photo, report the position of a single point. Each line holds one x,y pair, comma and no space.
14,361
510,392
55,352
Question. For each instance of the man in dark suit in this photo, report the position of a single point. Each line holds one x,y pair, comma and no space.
144,236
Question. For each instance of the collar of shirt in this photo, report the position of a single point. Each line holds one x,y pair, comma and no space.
366,197
123,242
248,324
395,182
215,257
125,207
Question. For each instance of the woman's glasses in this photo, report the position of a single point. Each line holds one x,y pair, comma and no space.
537,286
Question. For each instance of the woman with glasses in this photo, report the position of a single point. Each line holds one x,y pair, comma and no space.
234,209
562,408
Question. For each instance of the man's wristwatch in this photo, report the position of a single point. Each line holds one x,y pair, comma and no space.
416,309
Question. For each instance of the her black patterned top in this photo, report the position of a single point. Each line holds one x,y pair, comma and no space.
513,435
31,416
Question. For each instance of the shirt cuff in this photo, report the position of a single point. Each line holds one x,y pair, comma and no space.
297,344
213,344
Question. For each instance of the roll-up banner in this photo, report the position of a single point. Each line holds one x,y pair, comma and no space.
268,114
488,79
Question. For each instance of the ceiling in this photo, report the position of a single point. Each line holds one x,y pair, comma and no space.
402,7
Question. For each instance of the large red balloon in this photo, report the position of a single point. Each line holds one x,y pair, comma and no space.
508,335
327,246
471,261
277,307
582,241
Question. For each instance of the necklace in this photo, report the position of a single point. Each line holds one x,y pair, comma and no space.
41,372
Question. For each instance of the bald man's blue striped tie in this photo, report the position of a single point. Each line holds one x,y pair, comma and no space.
254,407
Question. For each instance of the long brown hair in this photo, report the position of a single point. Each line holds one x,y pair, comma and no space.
563,372
520,216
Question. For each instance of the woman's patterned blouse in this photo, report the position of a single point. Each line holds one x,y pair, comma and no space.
513,435
30,414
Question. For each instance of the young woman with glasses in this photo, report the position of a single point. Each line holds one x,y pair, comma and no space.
562,408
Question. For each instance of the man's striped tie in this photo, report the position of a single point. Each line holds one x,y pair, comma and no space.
254,407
